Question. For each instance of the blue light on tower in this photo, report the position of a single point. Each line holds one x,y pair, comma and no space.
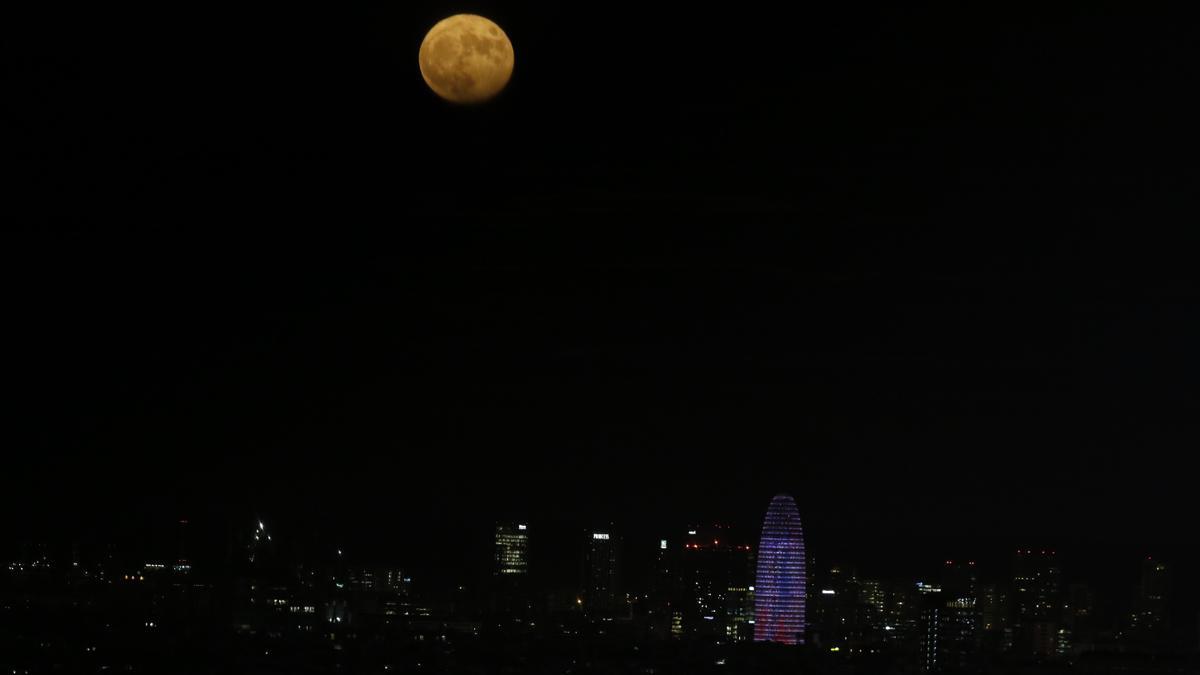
779,582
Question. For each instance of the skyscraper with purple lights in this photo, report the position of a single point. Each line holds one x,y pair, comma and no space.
779,583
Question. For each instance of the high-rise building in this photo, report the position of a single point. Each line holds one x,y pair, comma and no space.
510,592
959,633
959,579
664,568
512,549
1081,630
993,608
835,617
1038,629
711,584
1036,586
182,564
950,634
660,613
1149,619
602,573
260,545
961,617
846,612
902,613
929,655
779,589
739,601
870,613
871,594
378,580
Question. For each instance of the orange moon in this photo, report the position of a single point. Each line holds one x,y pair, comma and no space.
466,58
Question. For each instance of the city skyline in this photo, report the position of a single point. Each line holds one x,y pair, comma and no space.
459,542
503,547
1145,593
702,588
296,309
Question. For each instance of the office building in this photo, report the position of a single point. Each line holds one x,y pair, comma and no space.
1038,606
602,592
780,582
710,584
1149,620
512,549
510,593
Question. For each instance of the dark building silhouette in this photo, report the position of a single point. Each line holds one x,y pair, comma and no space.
602,591
710,581
182,564
1149,618
960,632
838,614
1037,626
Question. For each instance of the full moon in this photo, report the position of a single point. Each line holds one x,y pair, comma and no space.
466,59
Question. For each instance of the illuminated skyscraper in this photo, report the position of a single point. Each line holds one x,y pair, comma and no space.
780,582
510,589
1037,604
512,549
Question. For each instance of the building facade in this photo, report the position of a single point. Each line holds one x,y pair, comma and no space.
512,549
602,592
780,582
510,593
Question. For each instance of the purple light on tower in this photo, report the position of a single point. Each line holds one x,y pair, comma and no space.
779,584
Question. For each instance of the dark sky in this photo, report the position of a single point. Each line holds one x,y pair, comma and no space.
931,270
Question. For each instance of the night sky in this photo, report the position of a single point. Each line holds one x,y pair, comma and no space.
930,270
